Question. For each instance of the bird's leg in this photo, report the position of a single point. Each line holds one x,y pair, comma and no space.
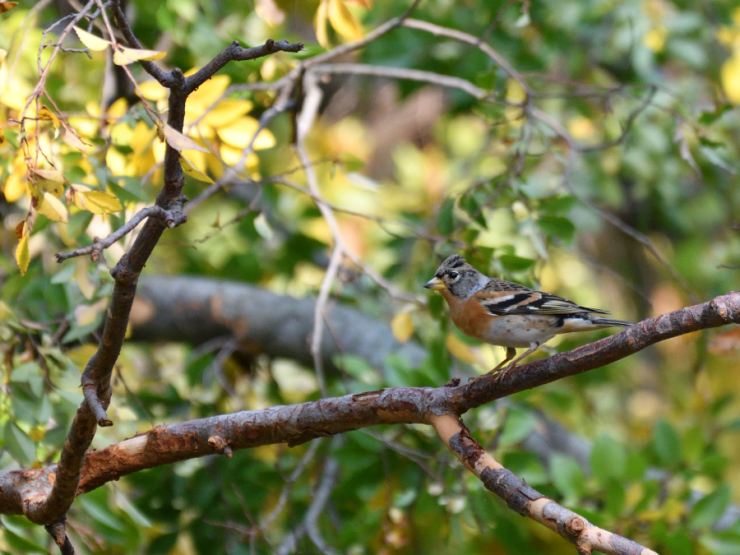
533,346
510,354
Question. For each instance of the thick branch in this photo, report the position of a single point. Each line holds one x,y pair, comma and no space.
301,423
527,501
198,309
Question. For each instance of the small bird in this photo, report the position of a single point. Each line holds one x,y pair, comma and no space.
508,314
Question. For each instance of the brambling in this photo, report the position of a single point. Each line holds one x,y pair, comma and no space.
508,314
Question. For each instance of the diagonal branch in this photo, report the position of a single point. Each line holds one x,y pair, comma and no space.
527,501
296,424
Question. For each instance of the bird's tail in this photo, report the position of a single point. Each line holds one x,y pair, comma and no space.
610,322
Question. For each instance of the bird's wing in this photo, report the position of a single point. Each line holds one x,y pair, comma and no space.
501,297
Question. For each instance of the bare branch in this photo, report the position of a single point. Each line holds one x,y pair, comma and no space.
525,500
169,218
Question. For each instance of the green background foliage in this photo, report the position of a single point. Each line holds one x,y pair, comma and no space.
659,459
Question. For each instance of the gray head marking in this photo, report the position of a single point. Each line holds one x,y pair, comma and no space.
461,278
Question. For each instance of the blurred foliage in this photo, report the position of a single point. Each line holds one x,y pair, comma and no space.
439,173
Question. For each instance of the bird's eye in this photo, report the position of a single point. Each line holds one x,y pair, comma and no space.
453,275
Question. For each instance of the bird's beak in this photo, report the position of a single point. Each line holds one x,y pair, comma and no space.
435,283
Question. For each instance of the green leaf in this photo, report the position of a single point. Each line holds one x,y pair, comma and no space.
710,508
18,444
445,220
350,162
518,425
557,226
515,263
667,444
708,118
608,458
567,477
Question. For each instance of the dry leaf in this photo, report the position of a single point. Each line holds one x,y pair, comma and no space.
189,168
7,6
180,142
126,56
23,255
91,41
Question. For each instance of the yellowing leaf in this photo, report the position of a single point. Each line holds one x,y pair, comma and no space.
319,24
117,110
240,133
343,21
231,157
226,112
2,137
126,56
192,171
364,3
87,287
46,114
730,74
459,349
37,433
152,90
402,327
6,6
180,142
99,202
15,187
207,94
91,41
23,255
53,208
87,314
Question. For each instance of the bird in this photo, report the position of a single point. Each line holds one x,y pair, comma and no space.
508,314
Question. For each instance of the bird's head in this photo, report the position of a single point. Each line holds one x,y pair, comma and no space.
458,277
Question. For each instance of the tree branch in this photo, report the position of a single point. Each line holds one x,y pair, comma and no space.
296,424
525,500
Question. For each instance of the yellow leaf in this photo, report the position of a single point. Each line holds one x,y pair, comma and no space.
207,94
6,6
2,137
99,202
402,327
87,287
22,255
180,142
459,349
239,133
152,90
364,3
53,208
117,110
91,41
15,187
126,56
322,36
86,314
189,168
343,21
731,78
231,157
46,114
37,433
226,112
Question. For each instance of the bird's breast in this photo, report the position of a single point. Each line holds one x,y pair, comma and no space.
513,330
